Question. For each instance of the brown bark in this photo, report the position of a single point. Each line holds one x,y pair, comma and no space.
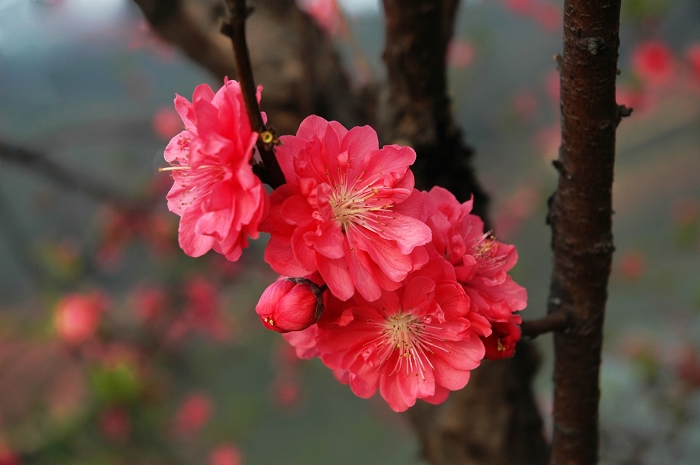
296,63
581,219
494,419
417,110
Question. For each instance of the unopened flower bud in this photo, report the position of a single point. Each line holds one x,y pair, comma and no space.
290,304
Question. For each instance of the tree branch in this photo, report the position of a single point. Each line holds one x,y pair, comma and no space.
51,170
417,110
234,27
581,219
553,322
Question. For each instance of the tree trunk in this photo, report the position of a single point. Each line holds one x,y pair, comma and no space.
581,219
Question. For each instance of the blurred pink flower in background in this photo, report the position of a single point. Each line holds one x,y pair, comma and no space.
327,15
632,264
166,123
78,316
460,53
547,141
517,208
225,454
201,312
688,365
114,424
685,211
287,391
693,56
524,105
149,303
552,86
194,412
630,97
547,15
653,62
7,456
142,37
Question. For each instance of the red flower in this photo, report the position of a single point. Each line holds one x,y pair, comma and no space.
289,304
501,343
348,210
418,342
481,262
219,199
653,62
78,316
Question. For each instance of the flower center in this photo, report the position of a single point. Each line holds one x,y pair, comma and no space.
484,248
410,340
359,207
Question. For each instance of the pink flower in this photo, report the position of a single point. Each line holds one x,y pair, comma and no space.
348,210
78,316
193,414
304,342
418,342
219,199
225,454
481,262
653,62
289,304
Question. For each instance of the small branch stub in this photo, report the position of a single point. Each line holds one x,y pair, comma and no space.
557,321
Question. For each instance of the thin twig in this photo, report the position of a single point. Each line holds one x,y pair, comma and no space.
552,322
234,27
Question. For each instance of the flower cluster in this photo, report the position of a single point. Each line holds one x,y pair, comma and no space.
396,290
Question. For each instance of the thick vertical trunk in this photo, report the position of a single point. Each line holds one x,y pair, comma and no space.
581,219
493,420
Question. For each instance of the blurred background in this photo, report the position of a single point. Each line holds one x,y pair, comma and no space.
117,348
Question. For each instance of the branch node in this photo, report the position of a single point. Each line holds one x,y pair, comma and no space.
561,169
559,60
622,112
592,44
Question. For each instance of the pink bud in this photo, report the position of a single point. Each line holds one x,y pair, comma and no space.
289,304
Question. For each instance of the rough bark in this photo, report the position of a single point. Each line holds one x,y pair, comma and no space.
417,110
296,63
493,420
581,219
